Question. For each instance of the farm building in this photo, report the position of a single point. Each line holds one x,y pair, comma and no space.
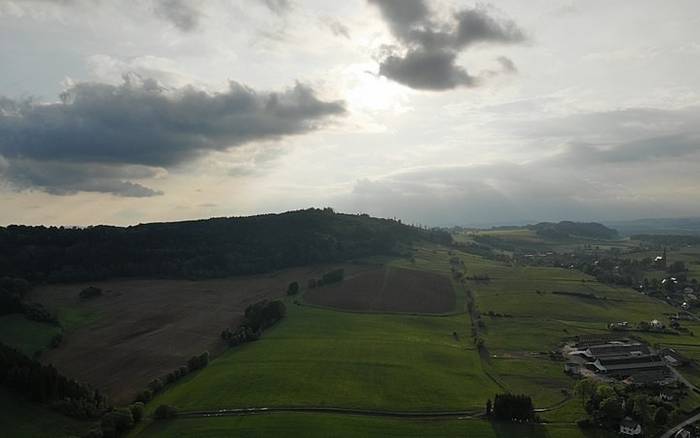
624,359
672,357
624,366
630,427
613,348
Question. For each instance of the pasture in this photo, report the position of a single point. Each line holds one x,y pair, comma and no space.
27,336
341,426
319,357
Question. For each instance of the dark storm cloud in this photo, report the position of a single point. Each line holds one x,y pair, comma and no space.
426,70
180,13
60,178
425,39
141,123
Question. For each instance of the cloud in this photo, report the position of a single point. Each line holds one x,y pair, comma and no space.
426,57
142,123
278,6
336,27
181,13
60,178
653,149
629,163
426,70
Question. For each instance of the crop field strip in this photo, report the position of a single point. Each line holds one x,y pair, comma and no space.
389,289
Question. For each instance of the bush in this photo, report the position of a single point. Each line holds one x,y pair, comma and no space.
90,292
164,411
155,385
136,411
196,362
117,421
144,396
333,276
293,288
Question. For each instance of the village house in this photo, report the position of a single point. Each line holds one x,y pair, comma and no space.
630,427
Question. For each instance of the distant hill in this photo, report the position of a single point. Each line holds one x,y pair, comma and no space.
202,248
687,226
567,229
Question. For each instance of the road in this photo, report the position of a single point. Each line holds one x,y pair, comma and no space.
669,433
683,380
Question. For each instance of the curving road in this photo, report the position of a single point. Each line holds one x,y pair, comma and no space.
669,433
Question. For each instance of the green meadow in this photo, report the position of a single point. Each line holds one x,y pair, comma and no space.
346,426
318,357
25,335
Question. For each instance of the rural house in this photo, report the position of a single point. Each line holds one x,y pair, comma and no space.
630,427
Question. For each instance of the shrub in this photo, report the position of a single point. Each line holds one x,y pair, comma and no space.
90,292
164,411
293,288
136,411
144,396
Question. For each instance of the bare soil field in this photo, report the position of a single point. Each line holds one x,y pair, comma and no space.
146,328
388,290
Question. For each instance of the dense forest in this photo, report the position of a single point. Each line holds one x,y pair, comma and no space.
199,249
567,229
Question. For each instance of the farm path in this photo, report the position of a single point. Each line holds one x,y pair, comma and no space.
331,410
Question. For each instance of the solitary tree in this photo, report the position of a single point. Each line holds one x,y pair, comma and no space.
293,288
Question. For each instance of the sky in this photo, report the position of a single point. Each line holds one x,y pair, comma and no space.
438,112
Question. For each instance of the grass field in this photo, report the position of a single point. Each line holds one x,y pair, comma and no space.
338,426
25,335
318,357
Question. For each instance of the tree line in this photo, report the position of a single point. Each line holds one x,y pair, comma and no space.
509,407
258,317
44,384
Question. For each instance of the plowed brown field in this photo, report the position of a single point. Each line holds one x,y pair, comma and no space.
388,290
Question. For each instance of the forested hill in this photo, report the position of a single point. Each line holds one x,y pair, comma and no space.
567,229
198,249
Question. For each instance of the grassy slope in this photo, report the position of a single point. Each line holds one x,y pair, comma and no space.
25,335
338,426
20,418
323,357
